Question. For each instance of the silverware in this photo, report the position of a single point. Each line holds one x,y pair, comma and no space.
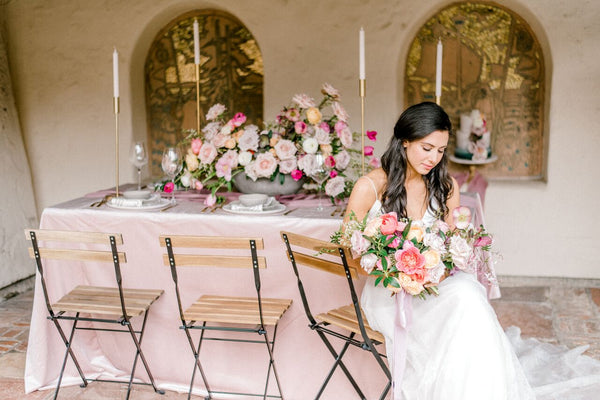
204,209
167,207
215,208
100,202
289,211
337,209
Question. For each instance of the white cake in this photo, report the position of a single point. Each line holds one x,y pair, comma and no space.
473,137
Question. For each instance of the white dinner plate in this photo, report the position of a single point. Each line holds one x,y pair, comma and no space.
272,209
161,203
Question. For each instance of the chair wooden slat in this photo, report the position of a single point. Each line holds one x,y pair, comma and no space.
345,317
78,255
196,260
211,242
74,236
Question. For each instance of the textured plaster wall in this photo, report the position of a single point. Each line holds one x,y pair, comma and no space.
17,207
60,55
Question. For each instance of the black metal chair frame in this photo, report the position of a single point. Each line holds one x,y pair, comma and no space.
349,339
260,329
124,321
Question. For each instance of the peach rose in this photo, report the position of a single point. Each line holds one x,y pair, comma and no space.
432,258
313,115
416,232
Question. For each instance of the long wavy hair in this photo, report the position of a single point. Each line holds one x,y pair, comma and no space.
415,123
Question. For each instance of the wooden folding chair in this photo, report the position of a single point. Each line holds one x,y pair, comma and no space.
248,315
349,319
95,304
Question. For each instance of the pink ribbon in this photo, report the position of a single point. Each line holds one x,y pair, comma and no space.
402,321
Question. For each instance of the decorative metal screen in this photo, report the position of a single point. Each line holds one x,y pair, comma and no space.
493,62
231,73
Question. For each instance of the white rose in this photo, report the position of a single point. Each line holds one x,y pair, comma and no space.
244,158
307,163
249,140
310,145
322,136
368,262
186,179
461,252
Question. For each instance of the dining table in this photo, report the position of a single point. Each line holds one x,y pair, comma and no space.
301,358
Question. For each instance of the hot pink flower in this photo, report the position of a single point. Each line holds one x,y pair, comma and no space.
333,173
169,186
324,126
300,127
372,135
409,260
375,162
238,119
296,174
369,150
330,162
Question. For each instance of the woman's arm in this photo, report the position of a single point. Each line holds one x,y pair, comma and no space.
361,199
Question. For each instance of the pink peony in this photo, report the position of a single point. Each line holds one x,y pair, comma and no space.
389,223
300,127
196,145
409,259
369,150
169,186
372,135
296,175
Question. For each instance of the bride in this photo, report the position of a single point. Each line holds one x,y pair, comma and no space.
455,348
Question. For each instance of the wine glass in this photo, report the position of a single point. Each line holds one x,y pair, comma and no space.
172,164
138,157
319,174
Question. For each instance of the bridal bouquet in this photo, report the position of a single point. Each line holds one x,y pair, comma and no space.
406,255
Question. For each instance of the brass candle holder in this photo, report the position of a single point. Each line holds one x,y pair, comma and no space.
362,90
116,110
438,100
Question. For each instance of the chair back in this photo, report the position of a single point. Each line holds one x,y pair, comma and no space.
323,256
207,251
74,246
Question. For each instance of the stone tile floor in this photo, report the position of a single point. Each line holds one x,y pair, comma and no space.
563,311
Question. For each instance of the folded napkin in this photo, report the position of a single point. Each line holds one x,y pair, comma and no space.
237,206
123,202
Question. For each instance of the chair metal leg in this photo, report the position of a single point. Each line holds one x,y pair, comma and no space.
141,356
271,365
197,363
338,361
67,353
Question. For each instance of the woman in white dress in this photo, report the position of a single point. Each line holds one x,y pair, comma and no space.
455,347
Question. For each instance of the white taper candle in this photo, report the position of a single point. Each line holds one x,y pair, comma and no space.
115,73
196,42
361,53
438,70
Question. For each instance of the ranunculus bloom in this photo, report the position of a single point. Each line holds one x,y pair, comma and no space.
335,186
372,135
409,259
296,174
196,145
210,200
169,186
462,217
369,150
389,223
313,115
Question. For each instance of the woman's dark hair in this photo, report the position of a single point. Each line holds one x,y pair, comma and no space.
415,123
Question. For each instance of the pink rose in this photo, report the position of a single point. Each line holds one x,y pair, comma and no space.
196,145
372,135
342,159
288,166
346,137
409,260
330,162
210,200
324,126
300,127
333,173
207,154
198,185
340,126
285,149
369,150
169,186
296,175
238,119
389,223
249,140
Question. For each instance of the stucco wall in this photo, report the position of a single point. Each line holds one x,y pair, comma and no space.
60,54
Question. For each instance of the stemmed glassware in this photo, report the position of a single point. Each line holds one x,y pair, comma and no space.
172,163
319,174
138,157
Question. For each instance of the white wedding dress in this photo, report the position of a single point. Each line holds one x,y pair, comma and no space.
457,349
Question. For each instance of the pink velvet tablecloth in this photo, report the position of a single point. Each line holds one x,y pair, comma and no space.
301,358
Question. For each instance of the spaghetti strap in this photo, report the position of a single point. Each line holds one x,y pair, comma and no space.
374,187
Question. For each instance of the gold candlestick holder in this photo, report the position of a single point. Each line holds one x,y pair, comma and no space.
438,100
116,110
198,98
362,91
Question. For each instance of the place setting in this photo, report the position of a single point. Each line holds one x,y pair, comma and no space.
254,203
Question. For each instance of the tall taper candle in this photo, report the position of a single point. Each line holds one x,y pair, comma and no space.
361,54
438,72
115,73
196,42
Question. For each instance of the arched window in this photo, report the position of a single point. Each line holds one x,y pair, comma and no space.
492,61
231,73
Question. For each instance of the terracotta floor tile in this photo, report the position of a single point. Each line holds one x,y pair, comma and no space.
535,320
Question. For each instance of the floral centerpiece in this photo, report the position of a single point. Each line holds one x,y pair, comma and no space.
227,147
406,255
